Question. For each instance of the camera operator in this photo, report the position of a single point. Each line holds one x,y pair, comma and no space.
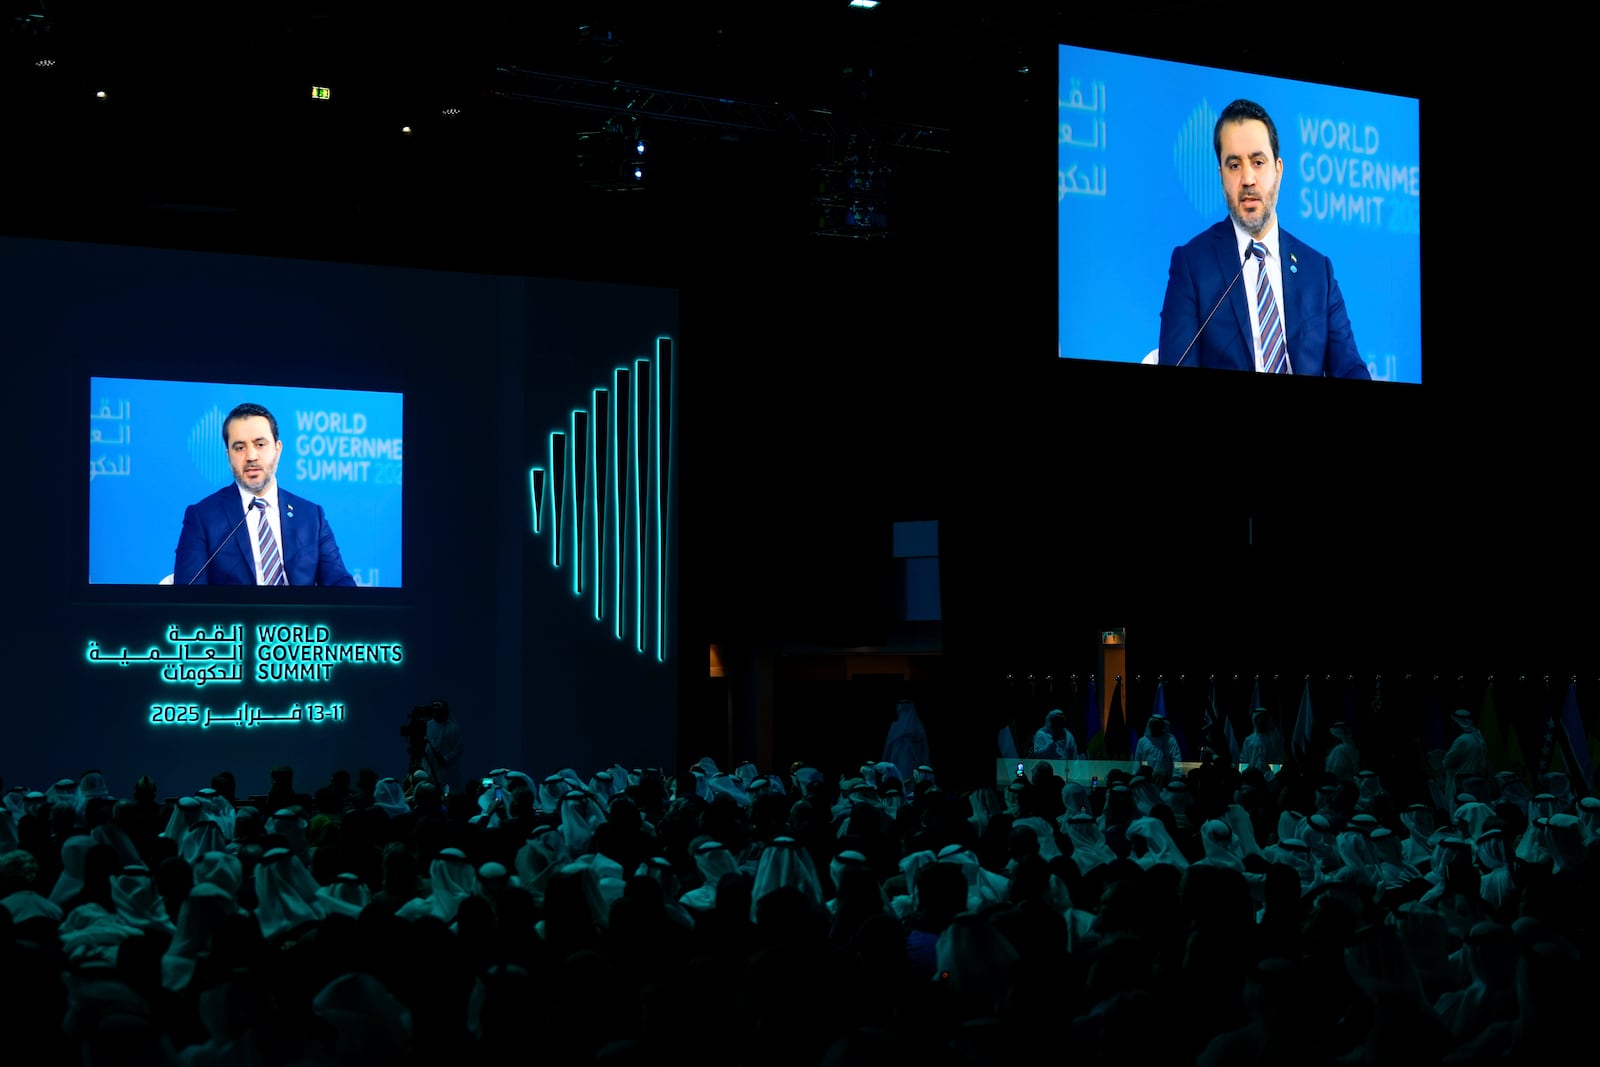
442,754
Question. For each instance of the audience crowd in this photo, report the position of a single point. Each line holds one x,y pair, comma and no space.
825,915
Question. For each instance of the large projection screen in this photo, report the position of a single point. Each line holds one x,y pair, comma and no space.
1139,176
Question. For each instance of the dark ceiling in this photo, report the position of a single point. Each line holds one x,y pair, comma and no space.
208,110
210,104
402,53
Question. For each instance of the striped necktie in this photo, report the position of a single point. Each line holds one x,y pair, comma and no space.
1274,347
271,558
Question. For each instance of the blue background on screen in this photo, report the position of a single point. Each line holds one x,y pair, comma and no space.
155,448
1138,177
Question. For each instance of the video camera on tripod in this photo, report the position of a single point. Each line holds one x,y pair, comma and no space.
415,731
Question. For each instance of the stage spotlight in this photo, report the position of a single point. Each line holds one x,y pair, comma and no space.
321,92
608,160
406,130
606,40
101,95
853,196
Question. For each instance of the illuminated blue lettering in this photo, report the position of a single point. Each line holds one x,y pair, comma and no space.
246,715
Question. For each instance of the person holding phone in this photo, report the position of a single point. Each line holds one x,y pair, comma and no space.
492,798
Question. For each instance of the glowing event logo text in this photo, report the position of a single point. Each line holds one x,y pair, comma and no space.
197,659
283,652
295,653
245,714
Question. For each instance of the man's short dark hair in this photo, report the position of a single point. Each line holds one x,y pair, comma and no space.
246,411
1238,111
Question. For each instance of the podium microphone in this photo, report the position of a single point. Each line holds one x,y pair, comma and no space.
236,530
1214,307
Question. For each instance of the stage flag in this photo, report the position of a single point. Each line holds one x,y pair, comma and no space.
1172,724
1549,750
1211,734
1494,738
1091,716
1577,744
1433,737
1300,741
1117,728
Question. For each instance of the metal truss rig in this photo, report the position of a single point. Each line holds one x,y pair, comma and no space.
771,121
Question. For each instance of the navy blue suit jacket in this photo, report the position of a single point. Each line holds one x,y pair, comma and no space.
1321,341
310,554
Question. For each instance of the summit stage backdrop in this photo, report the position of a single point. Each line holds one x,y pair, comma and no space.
467,383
